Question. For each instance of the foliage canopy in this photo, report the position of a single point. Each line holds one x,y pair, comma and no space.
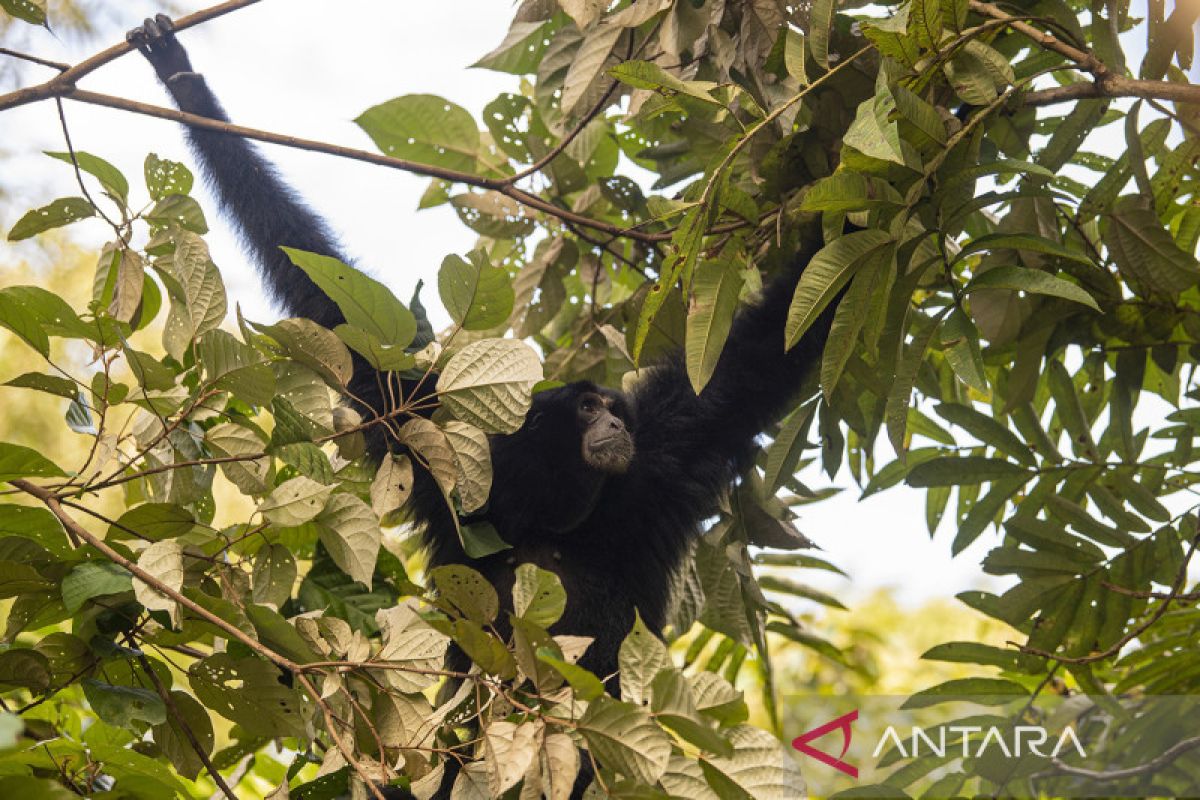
1018,316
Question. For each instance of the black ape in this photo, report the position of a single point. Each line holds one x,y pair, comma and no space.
602,489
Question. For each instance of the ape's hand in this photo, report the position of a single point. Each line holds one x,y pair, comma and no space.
155,38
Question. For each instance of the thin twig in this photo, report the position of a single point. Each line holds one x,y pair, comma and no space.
51,501
1152,765
177,715
32,59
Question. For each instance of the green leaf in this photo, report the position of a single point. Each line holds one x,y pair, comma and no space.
109,176
640,657
37,524
538,596
24,323
1145,253
1020,241
874,132
17,461
467,591
295,502
977,653
477,295
648,75
197,293
365,302
586,685
978,73
624,737
24,669
17,578
153,521
31,11
181,210
350,532
315,347
61,212
51,384
852,313
961,340
958,471
785,450
825,276
1032,281
849,191
93,579
165,177
988,430
520,52
424,128
925,22
717,286
177,745
384,357
984,691
248,691
820,20
489,383
493,214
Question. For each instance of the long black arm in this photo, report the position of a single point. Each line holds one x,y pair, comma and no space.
701,442
268,213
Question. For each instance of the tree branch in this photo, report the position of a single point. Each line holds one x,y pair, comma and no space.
1115,86
1107,83
52,502
1131,772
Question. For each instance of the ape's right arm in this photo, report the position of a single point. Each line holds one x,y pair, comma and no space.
267,211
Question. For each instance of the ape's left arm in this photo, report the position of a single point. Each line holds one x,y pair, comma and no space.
689,447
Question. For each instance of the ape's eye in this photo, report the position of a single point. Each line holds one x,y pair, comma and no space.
588,405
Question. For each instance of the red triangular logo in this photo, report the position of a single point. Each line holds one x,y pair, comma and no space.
842,723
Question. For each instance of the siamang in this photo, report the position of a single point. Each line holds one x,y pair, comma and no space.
603,488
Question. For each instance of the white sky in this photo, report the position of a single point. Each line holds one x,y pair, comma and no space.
307,68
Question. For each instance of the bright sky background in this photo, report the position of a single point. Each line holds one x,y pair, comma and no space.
307,68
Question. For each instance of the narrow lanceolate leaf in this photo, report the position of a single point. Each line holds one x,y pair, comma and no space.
1032,281
900,395
955,471
61,212
825,276
488,384
424,128
589,60
1021,241
820,20
988,430
784,453
961,340
716,290
365,302
625,738
350,532
295,502
114,183
473,455
17,461
1146,255
477,295
648,75
852,313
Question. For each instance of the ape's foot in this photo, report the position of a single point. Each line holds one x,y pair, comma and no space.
155,38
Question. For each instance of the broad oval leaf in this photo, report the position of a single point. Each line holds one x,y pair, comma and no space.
488,384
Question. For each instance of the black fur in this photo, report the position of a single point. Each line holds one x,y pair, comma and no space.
615,540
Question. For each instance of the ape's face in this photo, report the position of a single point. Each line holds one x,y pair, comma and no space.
581,420
605,440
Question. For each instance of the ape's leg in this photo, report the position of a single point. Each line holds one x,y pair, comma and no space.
267,211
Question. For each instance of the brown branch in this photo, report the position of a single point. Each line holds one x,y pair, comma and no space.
52,502
32,59
188,733
331,726
354,154
61,85
1115,86
1153,765
1106,84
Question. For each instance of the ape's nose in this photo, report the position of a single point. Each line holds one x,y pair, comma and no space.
616,424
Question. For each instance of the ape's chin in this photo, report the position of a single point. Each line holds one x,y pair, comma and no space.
611,456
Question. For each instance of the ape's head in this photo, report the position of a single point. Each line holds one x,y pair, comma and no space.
581,421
